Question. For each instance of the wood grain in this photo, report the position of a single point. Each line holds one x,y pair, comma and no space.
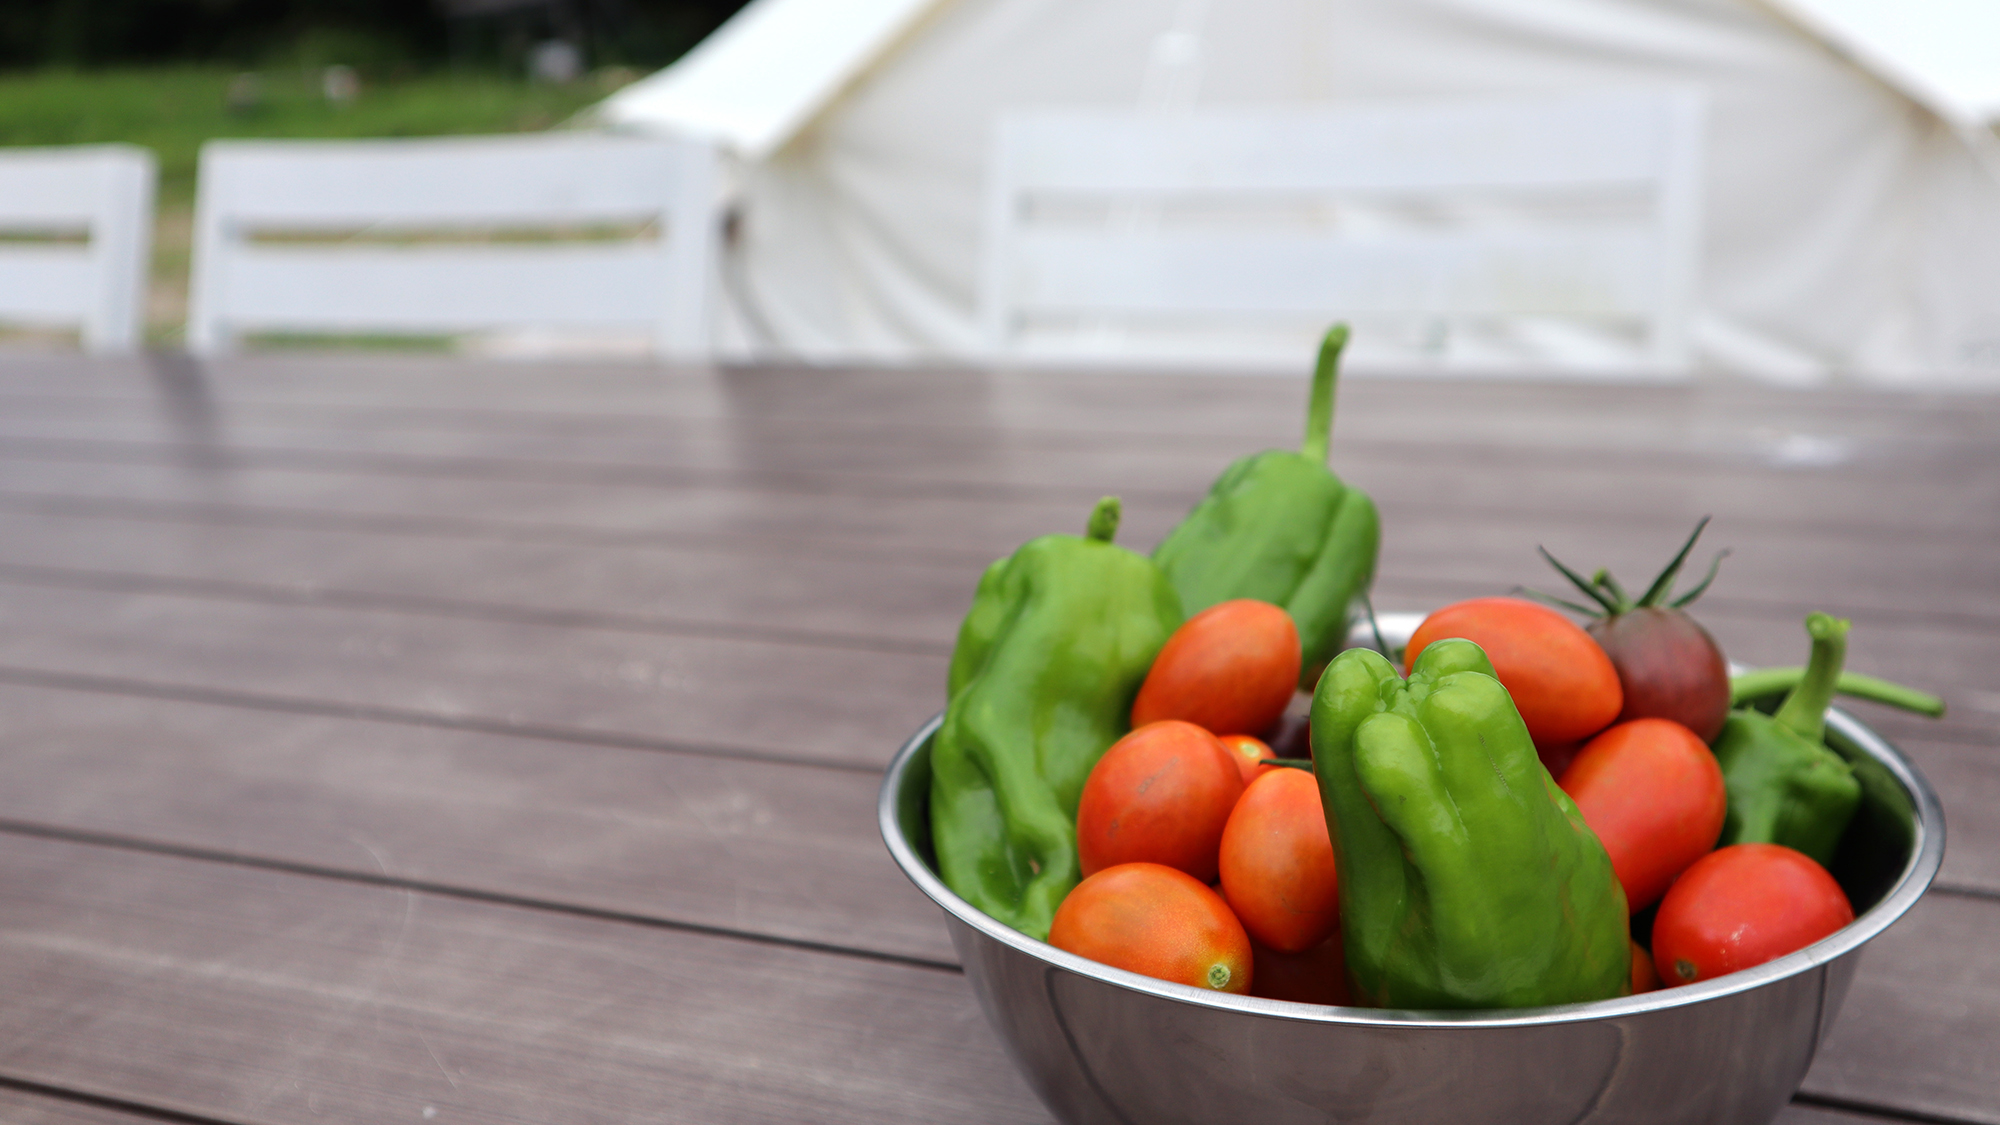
1916,1033
247,995
682,840
695,694
499,738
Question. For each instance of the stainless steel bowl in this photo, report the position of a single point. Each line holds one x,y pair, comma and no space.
1102,1045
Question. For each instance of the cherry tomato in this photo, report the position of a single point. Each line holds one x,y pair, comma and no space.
1653,793
1277,863
1231,668
1644,978
1249,752
1317,976
1562,682
1161,794
1150,919
1741,906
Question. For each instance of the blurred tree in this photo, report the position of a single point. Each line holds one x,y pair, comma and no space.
372,35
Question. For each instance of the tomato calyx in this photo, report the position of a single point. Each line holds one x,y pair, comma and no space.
1611,598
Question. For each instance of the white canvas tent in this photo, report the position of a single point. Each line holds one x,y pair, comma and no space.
1851,184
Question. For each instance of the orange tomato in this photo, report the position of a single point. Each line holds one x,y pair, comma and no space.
1644,977
1161,794
1653,793
1562,682
1249,752
1277,862
1230,668
1741,906
1317,976
1150,919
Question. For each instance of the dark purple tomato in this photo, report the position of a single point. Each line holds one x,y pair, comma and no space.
1669,667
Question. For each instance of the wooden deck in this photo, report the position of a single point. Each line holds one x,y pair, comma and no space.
410,740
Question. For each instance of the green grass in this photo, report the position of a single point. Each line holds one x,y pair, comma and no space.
172,110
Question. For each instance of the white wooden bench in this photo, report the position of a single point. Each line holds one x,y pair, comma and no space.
1136,236
76,229
574,231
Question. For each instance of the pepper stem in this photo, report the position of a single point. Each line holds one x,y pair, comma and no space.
1104,520
1765,683
1319,410
1804,710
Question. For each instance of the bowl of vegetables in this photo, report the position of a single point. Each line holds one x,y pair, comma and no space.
1514,870
1100,1044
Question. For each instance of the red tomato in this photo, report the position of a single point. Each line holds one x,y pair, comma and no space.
1644,978
1562,682
1277,863
1653,793
1317,976
1231,668
1150,919
1249,752
1161,794
1741,906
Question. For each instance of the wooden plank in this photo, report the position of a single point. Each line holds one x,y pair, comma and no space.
892,603
241,994
377,1003
735,697
690,841
1093,401
769,588
1787,563
1937,656
992,459
902,605
613,684
1916,1033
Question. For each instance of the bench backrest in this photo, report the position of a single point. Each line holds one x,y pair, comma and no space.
76,227
1580,206
562,231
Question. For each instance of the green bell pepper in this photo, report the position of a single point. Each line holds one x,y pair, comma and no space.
1785,786
1279,527
1059,638
1467,879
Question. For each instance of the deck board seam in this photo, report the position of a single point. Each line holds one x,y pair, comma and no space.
1965,890
119,842
808,482
1877,1109
106,1101
35,574
321,520
329,521
298,705
334,597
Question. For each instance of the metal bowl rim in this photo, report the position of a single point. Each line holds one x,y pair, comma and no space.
1926,856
